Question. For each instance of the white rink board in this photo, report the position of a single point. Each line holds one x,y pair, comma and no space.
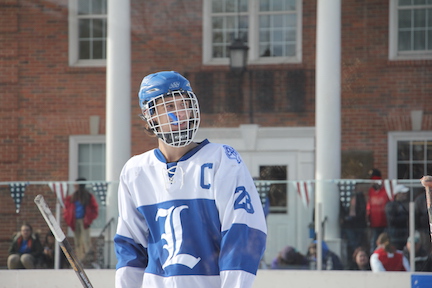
265,279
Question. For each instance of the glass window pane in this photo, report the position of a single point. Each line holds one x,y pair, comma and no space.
418,171
265,51
217,6
231,6
217,22
218,52
403,171
98,154
277,21
403,148
277,193
277,36
290,50
264,5
419,2
98,49
404,41
429,150
84,49
244,5
217,37
404,2
84,28
290,35
83,7
429,169
98,6
419,18
419,40
98,28
404,19
83,171
418,150
278,50
264,36
84,153
277,5
264,21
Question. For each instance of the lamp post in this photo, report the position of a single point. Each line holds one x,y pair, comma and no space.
238,55
238,62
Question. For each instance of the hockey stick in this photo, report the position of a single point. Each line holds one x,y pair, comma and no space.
426,181
63,241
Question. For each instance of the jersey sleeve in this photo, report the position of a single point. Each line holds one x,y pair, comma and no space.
242,221
130,241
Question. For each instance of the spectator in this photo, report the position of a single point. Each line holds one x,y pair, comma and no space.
48,255
330,261
80,210
25,249
48,251
360,259
422,221
386,257
423,259
397,214
375,208
290,258
353,222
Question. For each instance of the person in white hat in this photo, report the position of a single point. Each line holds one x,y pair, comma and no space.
397,214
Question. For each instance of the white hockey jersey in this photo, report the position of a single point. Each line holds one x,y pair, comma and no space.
198,222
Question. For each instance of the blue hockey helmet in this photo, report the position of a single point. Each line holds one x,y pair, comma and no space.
161,84
170,107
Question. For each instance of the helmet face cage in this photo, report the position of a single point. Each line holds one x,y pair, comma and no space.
174,117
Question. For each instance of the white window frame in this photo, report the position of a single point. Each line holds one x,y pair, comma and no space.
394,54
74,41
393,138
253,37
74,142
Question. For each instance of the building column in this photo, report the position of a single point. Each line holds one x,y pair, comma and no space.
328,114
118,106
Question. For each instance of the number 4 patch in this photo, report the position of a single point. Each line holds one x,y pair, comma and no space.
243,200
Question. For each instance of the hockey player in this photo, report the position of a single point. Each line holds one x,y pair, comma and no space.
189,213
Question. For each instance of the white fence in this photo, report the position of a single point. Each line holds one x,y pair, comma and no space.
104,278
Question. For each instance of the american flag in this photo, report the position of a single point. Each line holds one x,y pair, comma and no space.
17,192
305,191
100,189
389,185
60,189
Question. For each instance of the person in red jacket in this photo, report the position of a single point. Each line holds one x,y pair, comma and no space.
375,208
80,210
387,258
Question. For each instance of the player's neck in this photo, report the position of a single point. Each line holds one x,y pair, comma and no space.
173,154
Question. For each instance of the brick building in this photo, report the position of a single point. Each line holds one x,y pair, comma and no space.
52,82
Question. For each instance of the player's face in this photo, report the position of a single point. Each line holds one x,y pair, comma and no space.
173,112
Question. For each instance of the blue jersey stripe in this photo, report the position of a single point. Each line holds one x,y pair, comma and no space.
129,253
242,248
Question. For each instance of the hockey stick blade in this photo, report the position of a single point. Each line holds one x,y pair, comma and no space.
61,238
426,181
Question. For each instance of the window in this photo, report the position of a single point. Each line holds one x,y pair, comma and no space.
274,193
87,32
410,29
87,159
410,155
271,29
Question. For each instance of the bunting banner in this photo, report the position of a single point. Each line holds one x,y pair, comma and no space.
60,189
100,189
305,191
17,192
389,186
